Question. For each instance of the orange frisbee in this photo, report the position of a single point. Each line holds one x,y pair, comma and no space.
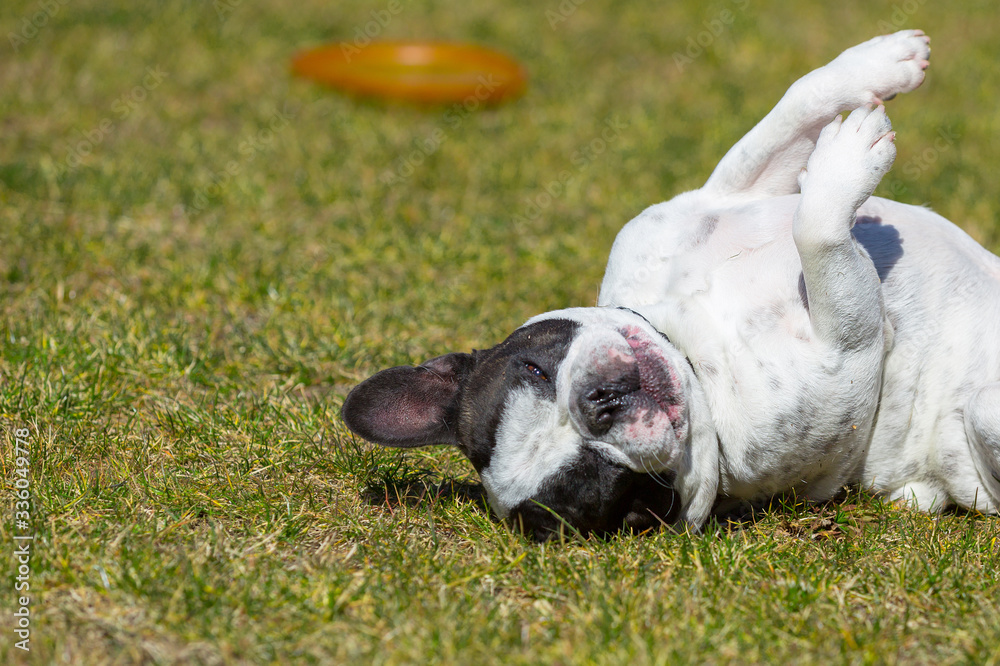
426,72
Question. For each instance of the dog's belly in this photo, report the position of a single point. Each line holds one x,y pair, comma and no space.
770,385
725,285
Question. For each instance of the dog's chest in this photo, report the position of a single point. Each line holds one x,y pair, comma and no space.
729,293
740,260
746,278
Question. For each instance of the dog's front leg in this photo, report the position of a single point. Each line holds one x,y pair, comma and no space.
849,329
767,161
842,286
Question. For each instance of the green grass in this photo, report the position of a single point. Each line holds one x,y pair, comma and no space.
178,344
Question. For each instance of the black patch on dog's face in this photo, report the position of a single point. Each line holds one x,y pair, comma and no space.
593,495
530,356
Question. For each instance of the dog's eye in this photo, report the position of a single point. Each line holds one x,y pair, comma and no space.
536,371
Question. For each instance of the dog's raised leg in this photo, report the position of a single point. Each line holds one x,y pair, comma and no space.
850,332
842,286
767,161
982,425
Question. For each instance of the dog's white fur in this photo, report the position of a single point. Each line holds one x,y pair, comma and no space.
777,330
812,368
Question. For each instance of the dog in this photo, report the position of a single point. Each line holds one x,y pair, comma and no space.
778,330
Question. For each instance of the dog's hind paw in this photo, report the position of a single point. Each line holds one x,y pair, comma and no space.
888,65
921,496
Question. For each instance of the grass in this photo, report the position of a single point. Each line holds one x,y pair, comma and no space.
199,256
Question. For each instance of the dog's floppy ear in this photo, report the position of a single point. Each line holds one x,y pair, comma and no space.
409,406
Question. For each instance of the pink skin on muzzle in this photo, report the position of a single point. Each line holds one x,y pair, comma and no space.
660,386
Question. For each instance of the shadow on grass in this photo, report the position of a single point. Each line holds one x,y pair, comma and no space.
845,517
417,491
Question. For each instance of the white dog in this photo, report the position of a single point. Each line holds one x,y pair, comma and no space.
776,330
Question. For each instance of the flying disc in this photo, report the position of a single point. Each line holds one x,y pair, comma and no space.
426,72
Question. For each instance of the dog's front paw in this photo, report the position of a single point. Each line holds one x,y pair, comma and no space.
850,158
886,66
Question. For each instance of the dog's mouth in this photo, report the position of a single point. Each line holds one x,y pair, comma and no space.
657,378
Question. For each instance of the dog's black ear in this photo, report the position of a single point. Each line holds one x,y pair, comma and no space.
409,406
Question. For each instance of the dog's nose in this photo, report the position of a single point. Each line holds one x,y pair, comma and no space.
601,404
598,407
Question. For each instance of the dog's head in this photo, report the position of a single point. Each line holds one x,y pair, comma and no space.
582,416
